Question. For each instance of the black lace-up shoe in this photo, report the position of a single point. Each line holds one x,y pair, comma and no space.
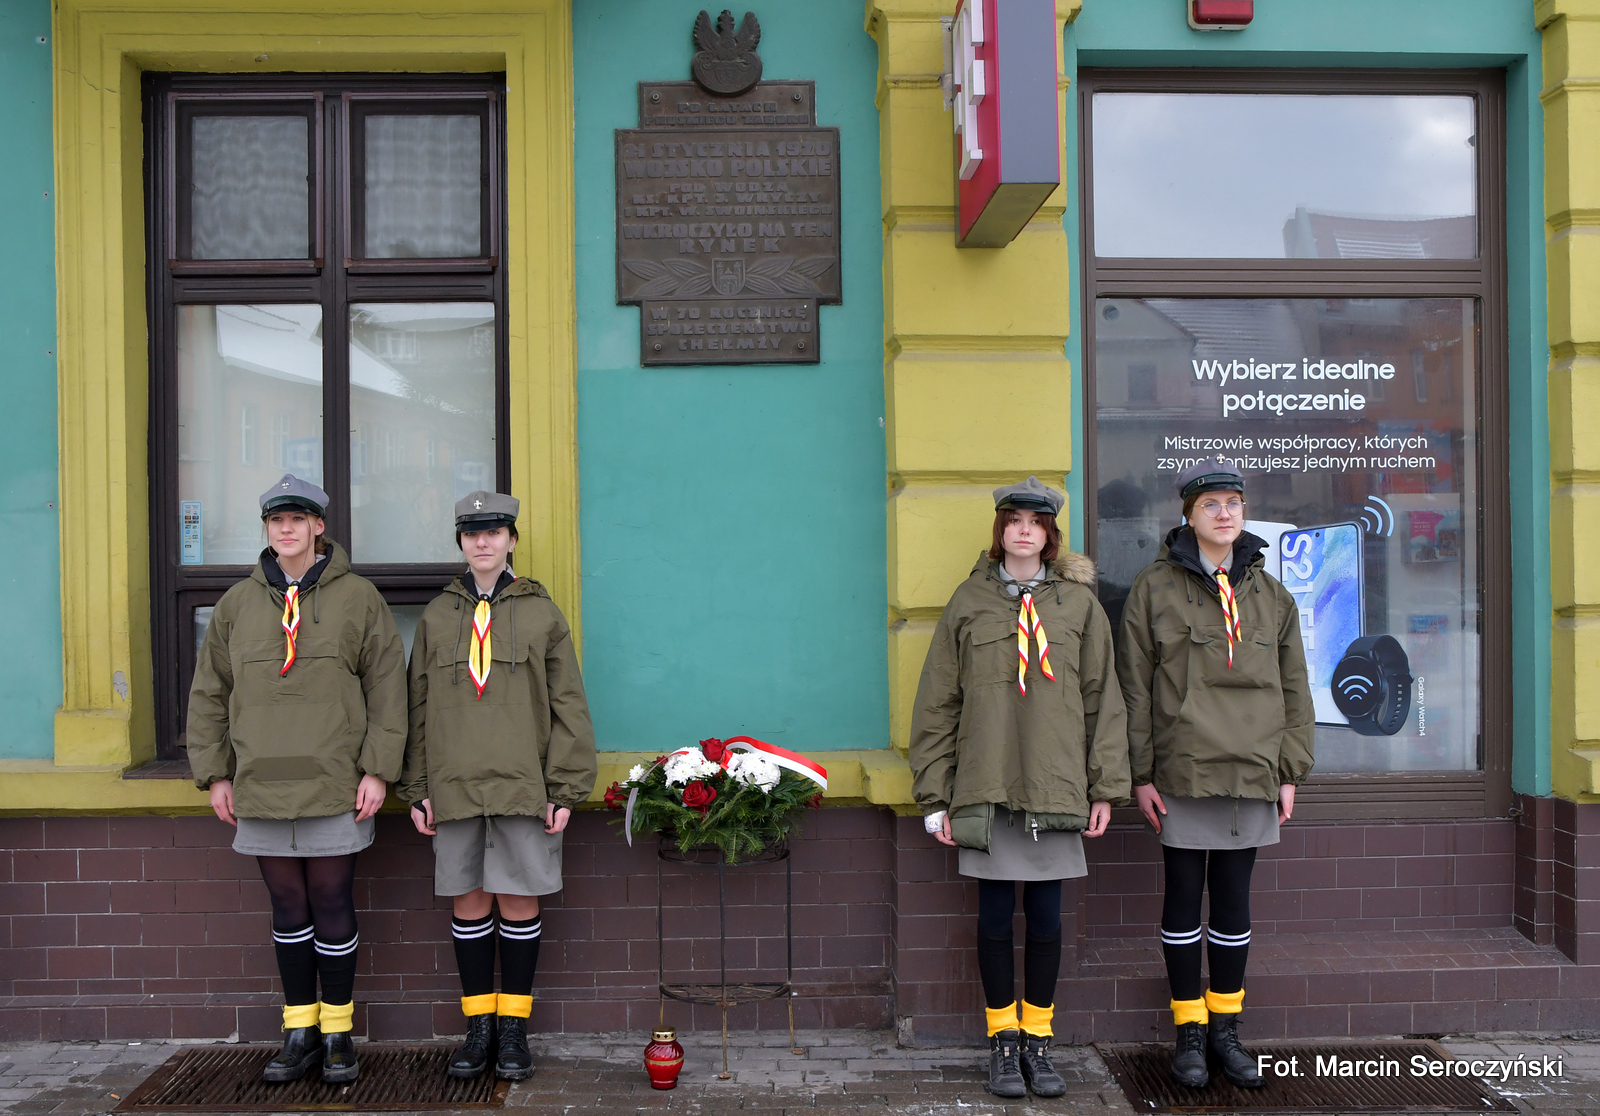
302,1049
1005,1070
339,1058
1038,1070
515,1060
1189,1056
1237,1065
476,1053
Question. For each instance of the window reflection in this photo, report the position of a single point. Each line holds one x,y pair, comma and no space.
422,424
1273,176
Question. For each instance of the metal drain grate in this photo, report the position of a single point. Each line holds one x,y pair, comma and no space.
1141,1070
228,1079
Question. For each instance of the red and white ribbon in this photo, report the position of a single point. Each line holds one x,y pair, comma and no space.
793,761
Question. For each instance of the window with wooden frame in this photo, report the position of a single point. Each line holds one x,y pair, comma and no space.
1304,272
326,298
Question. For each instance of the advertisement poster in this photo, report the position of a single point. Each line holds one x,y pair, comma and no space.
1354,422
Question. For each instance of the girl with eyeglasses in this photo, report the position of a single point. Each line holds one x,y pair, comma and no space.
1220,726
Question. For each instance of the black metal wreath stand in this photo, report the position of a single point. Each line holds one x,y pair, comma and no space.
722,994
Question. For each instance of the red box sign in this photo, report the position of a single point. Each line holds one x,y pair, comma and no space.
1221,15
1008,135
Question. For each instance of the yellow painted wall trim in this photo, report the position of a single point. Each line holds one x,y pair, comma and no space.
100,49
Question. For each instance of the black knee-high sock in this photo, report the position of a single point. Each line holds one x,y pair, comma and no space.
1041,967
297,963
474,942
519,955
1228,935
997,969
336,966
1180,920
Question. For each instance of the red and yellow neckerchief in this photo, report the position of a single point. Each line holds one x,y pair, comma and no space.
291,625
1028,624
1230,611
478,653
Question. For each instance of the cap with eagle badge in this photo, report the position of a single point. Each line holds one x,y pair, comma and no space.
292,492
480,511
1029,495
1214,474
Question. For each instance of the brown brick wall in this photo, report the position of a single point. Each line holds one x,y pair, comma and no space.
129,927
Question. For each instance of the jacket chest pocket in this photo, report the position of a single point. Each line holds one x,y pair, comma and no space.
510,675
1254,665
991,653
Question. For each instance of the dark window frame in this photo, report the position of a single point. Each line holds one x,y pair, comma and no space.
1404,795
177,590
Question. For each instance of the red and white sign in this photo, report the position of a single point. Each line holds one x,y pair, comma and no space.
1008,138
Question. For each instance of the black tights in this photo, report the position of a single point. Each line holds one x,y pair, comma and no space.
1227,938
313,924
1041,955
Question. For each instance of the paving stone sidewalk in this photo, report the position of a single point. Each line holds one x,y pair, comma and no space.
840,1073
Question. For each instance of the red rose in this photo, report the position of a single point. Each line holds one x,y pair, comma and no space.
699,796
716,751
659,761
816,801
615,799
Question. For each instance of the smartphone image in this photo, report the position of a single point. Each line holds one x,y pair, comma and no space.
1322,567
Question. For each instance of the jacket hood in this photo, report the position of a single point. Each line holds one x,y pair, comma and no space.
337,564
1181,548
1068,566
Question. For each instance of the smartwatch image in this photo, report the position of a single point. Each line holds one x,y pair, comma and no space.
1372,685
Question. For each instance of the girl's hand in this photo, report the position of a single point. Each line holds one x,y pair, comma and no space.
370,793
555,818
422,818
1149,800
1285,802
1099,818
943,836
222,801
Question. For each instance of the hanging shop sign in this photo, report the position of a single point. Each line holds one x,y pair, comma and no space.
1000,84
728,210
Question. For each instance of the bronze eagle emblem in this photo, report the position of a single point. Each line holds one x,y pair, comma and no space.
726,62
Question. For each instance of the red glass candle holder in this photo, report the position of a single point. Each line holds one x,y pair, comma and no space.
663,1058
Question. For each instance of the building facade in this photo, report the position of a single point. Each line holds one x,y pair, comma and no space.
427,250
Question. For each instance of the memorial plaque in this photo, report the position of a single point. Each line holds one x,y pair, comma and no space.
727,214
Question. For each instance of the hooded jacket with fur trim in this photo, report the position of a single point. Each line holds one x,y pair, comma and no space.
976,738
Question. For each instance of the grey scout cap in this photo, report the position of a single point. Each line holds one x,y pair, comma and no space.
1030,494
292,492
1212,475
479,511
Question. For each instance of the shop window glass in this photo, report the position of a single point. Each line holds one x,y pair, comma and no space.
1284,176
422,406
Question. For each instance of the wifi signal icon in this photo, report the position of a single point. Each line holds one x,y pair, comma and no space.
1355,688
1377,517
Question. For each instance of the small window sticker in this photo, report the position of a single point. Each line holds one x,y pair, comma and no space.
192,547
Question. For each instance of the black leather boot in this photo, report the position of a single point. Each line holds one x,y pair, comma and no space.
1038,1070
1189,1056
477,1052
302,1049
1238,1066
339,1058
514,1061
1005,1070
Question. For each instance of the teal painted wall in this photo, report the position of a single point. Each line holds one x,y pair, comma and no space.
732,518
1415,34
30,685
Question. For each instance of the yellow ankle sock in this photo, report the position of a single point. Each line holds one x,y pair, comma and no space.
1225,1003
1002,1019
519,1006
336,1017
1188,1011
1036,1020
479,1005
300,1015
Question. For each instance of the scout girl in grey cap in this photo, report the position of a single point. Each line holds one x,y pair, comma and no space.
297,723
1220,728
499,753
1018,745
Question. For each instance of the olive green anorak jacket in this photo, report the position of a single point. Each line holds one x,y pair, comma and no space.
1197,728
528,740
296,744
976,738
